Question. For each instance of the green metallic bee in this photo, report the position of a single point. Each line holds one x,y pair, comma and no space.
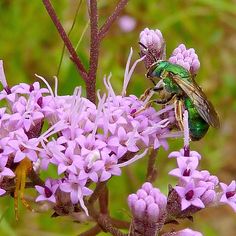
177,83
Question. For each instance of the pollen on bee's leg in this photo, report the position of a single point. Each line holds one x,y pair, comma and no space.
21,174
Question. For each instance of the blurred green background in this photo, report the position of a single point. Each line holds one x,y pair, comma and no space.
30,44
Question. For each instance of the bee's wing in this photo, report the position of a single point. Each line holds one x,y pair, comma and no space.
199,99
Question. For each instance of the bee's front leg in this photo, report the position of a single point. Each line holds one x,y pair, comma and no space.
150,91
158,101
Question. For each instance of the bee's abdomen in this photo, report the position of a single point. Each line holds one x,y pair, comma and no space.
198,127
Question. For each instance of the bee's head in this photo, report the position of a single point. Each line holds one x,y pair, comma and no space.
155,71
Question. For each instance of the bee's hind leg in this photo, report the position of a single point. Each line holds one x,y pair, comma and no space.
179,113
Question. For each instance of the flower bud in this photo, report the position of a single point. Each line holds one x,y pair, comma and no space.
186,58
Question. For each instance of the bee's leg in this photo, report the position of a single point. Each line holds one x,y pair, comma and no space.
179,113
158,101
150,91
146,94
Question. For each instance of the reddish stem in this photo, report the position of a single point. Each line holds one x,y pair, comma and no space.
103,201
96,193
151,170
94,50
104,222
92,232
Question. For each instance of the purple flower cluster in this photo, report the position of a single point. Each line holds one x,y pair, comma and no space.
198,188
148,207
148,203
155,50
86,143
186,58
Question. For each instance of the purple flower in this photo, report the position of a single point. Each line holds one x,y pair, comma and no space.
127,23
27,113
186,169
4,171
190,195
23,147
229,194
89,143
123,142
110,166
77,190
186,58
47,192
91,166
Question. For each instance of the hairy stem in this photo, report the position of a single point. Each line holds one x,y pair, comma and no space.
94,49
98,190
111,19
92,232
120,224
151,170
103,201
104,222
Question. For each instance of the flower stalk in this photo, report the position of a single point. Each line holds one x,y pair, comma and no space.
96,35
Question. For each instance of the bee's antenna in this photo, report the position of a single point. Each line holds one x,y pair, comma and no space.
148,51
